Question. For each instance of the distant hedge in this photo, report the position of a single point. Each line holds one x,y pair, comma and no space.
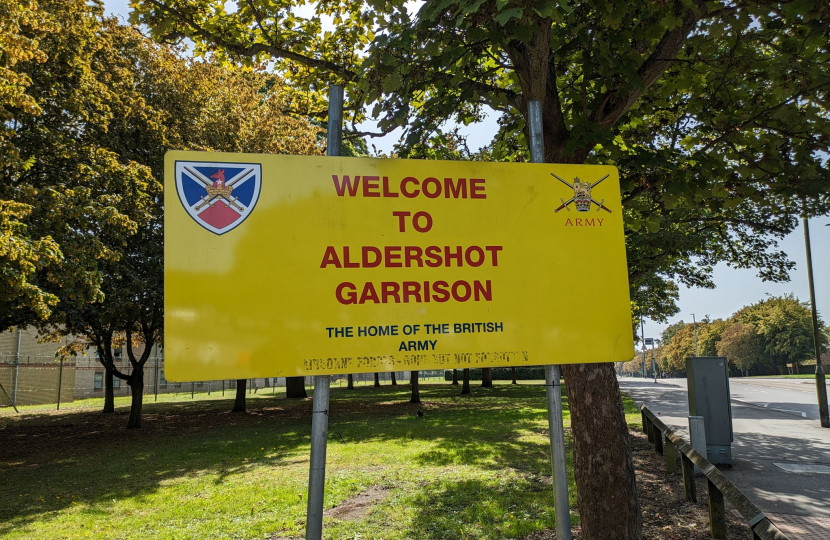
527,373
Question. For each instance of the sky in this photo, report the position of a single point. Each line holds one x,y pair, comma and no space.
734,288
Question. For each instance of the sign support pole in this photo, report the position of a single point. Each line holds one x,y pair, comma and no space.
552,374
322,383
653,362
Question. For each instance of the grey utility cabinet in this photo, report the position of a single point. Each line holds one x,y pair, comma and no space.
708,384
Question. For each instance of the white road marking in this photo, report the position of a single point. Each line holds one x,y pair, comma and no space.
803,468
766,406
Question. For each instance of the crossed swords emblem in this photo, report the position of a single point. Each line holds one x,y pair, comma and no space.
582,195
219,193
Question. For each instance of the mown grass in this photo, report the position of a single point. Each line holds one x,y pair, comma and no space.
798,376
185,394
474,467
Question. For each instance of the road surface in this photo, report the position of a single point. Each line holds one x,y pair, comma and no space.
781,455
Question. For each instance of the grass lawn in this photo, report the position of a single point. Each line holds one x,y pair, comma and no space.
800,376
473,467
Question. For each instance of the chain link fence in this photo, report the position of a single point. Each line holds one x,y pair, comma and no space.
45,380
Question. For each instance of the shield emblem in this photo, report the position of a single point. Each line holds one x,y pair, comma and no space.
218,196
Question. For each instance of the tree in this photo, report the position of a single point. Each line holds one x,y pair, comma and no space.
455,377
714,112
709,334
66,188
465,381
21,257
394,380
377,379
108,104
681,345
486,378
741,345
670,331
785,325
413,382
350,381
295,388
239,400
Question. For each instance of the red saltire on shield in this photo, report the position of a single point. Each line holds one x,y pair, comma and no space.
218,196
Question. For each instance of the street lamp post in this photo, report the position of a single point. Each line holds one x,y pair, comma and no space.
821,387
694,324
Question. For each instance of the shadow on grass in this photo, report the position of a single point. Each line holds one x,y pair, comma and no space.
448,510
50,461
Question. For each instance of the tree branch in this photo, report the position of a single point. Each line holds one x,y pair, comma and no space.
616,102
256,48
748,223
751,121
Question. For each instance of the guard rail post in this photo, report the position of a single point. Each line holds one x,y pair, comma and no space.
658,439
689,486
720,488
717,512
671,456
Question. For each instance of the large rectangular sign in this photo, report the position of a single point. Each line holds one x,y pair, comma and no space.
295,265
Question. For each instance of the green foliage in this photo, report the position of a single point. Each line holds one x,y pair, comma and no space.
765,335
670,331
81,247
715,112
81,199
742,346
681,345
531,373
21,24
20,258
786,327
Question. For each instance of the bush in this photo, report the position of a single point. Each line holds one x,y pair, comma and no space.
525,373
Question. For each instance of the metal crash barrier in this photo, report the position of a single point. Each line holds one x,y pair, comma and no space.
668,443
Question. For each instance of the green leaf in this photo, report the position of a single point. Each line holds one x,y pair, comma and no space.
392,82
505,16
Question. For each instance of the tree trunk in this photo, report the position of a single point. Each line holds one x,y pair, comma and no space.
603,469
350,379
295,387
455,377
513,370
239,402
377,379
109,392
465,387
486,378
394,380
416,395
136,382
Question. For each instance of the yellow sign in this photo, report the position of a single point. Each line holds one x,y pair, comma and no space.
295,265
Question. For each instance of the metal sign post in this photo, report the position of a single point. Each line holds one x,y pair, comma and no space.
643,336
653,362
9,398
821,388
60,381
322,383
552,374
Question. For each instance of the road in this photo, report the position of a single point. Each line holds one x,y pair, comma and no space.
781,455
